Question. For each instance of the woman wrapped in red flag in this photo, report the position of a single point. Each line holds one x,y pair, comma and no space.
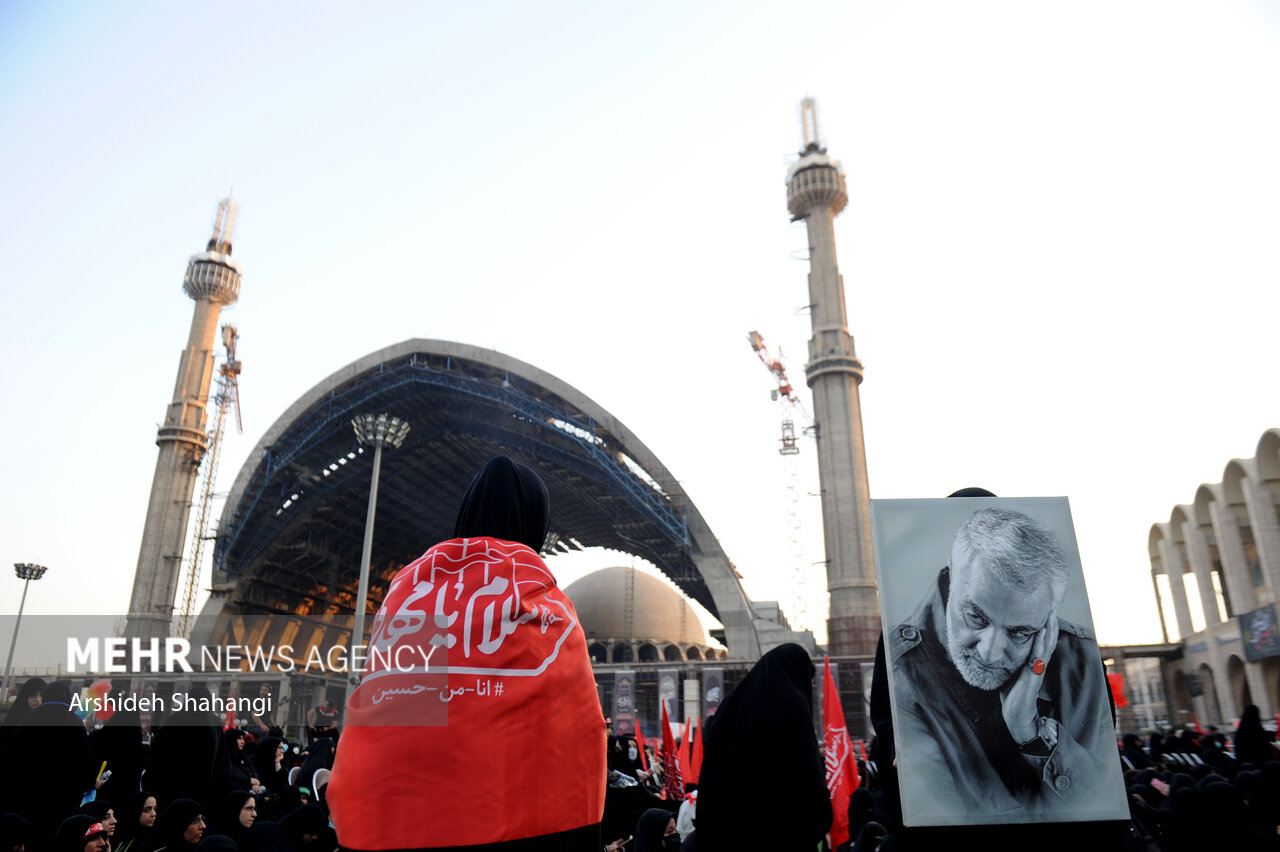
476,660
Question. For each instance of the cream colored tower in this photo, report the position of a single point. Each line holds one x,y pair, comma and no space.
213,281
816,193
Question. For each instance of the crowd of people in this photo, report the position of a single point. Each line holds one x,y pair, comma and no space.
523,761
188,784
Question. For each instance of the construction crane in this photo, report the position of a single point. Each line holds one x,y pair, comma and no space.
226,396
785,394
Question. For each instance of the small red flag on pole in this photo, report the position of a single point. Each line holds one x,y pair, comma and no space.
685,749
673,786
842,766
695,756
644,760
231,713
1196,723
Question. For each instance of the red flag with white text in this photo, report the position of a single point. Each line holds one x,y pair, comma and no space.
842,766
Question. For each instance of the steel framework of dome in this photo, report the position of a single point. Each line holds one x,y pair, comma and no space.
290,535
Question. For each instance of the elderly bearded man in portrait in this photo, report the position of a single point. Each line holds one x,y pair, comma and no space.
1002,707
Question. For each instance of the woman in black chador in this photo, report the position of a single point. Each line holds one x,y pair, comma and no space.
763,782
29,698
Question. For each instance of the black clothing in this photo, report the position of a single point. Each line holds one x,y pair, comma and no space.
130,832
14,831
172,825
1253,742
18,711
319,756
70,836
264,761
761,759
184,756
649,830
505,500
120,743
227,820
235,770
51,750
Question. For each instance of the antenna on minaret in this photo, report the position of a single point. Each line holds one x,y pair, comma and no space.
809,123
224,225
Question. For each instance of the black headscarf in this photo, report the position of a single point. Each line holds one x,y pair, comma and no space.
761,758
264,760
319,756
128,829
97,809
19,708
649,830
171,825
14,831
71,834
233,769
505,500
227,822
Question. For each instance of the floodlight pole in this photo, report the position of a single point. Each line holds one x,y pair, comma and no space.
27,572
378,430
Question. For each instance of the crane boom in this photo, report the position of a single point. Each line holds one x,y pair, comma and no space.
785,393
227,395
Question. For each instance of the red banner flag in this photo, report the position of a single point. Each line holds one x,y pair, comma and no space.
685,749
695,756
230,721
673,786
842,766
1196,723
644,760
1116,681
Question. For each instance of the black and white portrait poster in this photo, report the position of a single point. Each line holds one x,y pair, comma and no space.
1000,707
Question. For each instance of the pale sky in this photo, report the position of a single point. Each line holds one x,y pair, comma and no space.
1059,252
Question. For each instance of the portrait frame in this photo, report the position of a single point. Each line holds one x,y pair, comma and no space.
957,762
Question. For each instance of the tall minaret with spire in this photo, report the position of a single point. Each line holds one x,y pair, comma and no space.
213,281
816,194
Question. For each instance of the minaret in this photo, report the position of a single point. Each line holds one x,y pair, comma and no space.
816,193
212,280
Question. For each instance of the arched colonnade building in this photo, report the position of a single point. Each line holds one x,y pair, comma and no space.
1215,565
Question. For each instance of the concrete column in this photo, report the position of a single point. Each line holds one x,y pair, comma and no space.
692,698
1235,573
1266,531
816,193
1155,588
1172,560
834,374
1198,556
1221,671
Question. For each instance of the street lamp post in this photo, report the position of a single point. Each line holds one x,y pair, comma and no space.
378,430
27,572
